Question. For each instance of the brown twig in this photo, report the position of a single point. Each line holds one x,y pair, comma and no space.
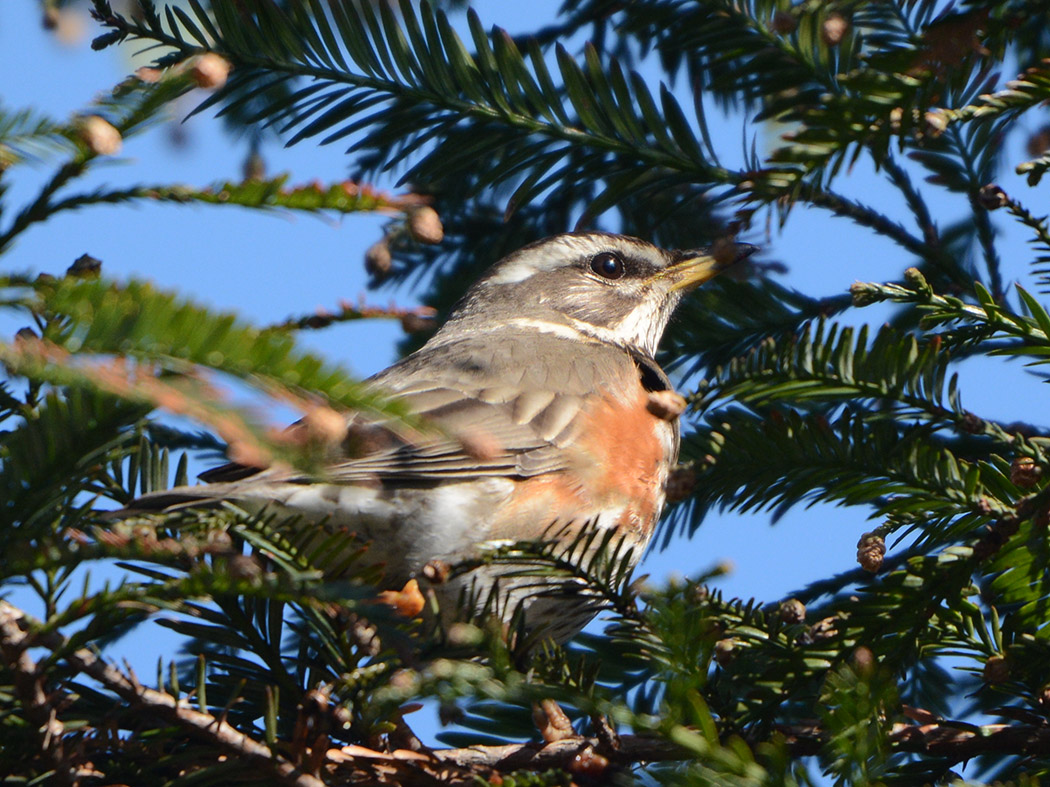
16,631
955,741
29,686
454,767
415,318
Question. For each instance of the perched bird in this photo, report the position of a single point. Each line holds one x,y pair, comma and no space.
553,416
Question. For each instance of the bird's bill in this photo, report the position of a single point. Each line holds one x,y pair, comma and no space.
698,266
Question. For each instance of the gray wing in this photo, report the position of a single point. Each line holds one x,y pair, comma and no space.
499,408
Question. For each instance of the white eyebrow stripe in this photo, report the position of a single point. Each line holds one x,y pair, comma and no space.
513,273
574,329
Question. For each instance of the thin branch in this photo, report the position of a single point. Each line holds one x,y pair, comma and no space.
413,319
916,203
955,741
41,208
483,112
16,630
341,197
29,687
863,215
982,220
465,766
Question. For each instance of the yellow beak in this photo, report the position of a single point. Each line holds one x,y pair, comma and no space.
698,266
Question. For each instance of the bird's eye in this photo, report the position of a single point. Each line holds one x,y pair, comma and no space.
608,265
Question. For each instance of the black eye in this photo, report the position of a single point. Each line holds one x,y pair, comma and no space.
607,264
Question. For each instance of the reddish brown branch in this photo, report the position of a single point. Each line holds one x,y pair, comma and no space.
415,319
955,741
15,632
926,734
952,740
29,688
357,764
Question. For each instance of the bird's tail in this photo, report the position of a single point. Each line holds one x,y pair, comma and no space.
175,499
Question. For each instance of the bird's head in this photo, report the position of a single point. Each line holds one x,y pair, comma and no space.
612,288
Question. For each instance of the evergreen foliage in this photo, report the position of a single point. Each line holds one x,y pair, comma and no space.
296,669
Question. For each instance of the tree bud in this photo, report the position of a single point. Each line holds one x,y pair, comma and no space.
871,549
424,225
210,71
100,136
378,260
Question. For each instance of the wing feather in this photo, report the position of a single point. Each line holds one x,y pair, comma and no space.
494,414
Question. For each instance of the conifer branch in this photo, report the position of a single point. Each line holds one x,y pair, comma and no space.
17,632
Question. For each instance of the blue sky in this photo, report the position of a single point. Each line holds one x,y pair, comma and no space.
268,267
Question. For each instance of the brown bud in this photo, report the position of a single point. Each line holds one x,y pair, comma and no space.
404,680
792,611
914,280
100,136
864,294
1024,472
992,197
936,122
26,334
324,425
680,484
996,670
210,71
85,267
834,29
864,660
417,323
149,75
1039,142
436,571
871,549
378,261
51,18
365,636
218,541
973,424
725,651
424,225
590,764
665,405
244,567
896,116
822,629
784,23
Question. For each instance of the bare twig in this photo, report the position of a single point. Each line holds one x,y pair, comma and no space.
322,318
16,629
454,767
955,741
356,764
29,686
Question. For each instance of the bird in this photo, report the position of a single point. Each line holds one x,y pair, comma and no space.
551,416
